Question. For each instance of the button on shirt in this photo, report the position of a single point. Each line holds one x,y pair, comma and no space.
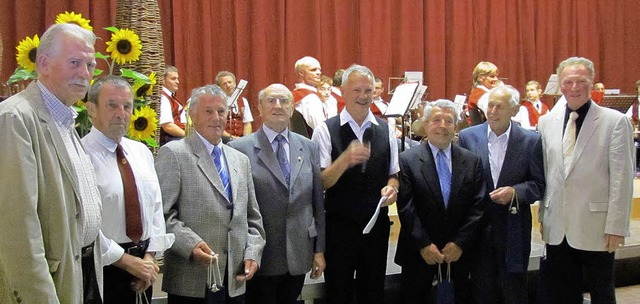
322,137
102,151
497,150
88,195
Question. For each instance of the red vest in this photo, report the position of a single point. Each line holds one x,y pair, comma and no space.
533,113
235,125
176,112
340,100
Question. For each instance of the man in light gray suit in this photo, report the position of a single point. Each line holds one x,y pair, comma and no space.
286,175
209,204
48,194
589,174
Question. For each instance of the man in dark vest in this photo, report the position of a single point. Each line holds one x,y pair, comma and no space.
173,119
359,159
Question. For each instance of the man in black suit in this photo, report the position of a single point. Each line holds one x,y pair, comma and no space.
440,204
514,177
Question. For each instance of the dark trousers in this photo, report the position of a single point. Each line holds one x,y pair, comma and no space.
277,289
417,278
348,251
572,271
492,282
91,293
175,299
117,282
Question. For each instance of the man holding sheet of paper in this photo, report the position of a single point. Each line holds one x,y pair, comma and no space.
440,205
359,159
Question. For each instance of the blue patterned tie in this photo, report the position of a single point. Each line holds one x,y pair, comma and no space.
444,175
282,158
224,176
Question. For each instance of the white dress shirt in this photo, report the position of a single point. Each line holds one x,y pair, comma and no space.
313,109
322,137
102,151
166,115
497,150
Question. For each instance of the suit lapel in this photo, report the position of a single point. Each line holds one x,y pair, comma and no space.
457,167
483,152
430,173
586,131
513,153
296,157
232,168
268,157
205,162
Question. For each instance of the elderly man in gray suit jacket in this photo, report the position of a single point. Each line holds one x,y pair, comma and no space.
589,172
286,174
210,206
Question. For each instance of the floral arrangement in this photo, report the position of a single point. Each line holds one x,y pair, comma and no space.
123,47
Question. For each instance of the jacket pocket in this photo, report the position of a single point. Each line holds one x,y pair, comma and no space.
599,206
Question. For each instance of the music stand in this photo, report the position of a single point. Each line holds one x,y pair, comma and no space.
619,102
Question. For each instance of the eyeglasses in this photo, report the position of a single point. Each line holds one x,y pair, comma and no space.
282,100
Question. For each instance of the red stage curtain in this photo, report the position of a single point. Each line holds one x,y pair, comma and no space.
260,40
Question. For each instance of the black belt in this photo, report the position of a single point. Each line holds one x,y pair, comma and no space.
137,249
87,251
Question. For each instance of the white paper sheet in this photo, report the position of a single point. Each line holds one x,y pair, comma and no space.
374,218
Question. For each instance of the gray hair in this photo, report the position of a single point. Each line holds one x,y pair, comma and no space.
508,91
51,39
305,62
360,69
210,89
169,69
444,104
115,81
577,61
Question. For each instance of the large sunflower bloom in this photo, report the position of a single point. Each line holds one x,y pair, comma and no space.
72,17
125,46
144,122
141,89
26,56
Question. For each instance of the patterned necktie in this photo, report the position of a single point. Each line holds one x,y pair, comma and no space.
444,175
131,201
282,158
569,141
224,176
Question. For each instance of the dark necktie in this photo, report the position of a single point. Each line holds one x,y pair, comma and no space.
224,176
282,158
444,175
131,201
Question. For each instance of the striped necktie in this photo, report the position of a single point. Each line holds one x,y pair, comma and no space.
224,175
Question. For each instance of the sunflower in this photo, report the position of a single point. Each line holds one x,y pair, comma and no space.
143,123
141,89
26,56
125,46
72,17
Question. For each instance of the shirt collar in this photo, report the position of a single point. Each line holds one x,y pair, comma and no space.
306,86
491,134
167,91
209,146
103,140
271,134
60,112
345,117
434,150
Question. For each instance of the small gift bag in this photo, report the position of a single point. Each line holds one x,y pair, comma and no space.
214,292
443,290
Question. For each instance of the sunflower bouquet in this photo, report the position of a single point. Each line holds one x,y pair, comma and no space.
123,47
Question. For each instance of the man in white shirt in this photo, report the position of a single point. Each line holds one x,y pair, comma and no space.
130,263
173,118
240,117
305,97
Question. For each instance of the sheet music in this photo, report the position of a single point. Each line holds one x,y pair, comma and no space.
239,88
401,99
417,97
374,218
552,86
459,102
